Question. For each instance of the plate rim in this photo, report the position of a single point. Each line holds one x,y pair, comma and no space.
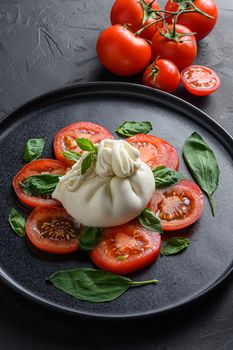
129,88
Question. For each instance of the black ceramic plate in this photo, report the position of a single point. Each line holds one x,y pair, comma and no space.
184,277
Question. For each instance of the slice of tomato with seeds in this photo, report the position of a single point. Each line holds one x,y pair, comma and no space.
155,151
126,248
65,138
37,167
53,230
178,206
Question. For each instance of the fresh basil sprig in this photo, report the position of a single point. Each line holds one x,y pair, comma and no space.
87,162
133,128
33,149
89,237
71,155
203,165
150,221
37,185
93,285
175,245
17,222
165,177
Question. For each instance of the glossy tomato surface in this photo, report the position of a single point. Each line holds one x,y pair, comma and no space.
65,138
53,230
182,53
121,52
155,151
131,12
200,80
178,206
36,167
163,75
197,23
126,248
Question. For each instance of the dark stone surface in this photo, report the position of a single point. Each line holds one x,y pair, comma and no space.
49,44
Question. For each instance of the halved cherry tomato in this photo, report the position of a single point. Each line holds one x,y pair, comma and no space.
155,151
178,206
200,80
122,52
126,248
39,166
163,75
132,12
53,230
197,23
181,50
65,138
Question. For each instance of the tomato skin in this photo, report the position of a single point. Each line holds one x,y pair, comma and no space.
36,167
131,12
91,131
121,52
167,78
197,23
182,54
194,77
186,188
104,256
40,215
164,153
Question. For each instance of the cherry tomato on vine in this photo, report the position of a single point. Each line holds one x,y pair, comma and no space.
126,248
196,22
121,52
136,13
177,46
53,230
200,80
178,206
163,75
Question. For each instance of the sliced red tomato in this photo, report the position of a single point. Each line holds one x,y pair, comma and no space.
200,80
53,230
178,206
65,138
155,151
126,248
39,166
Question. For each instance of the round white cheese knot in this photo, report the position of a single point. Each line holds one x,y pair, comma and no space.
113,191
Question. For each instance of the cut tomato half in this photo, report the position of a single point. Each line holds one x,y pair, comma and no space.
65,138
155,151
126,248
200,80
39,166
178,206
53,230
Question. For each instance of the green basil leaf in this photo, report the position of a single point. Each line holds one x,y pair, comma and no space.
71,155
33,149
17,222
92,284
89,237
37,185
175,245
86,145
87,163
133,128
203,165
150,221
165,177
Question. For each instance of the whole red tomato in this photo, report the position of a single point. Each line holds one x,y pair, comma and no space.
163,75
137,14
179,47
121,52
200,24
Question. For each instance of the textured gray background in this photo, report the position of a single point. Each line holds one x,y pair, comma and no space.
49,44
